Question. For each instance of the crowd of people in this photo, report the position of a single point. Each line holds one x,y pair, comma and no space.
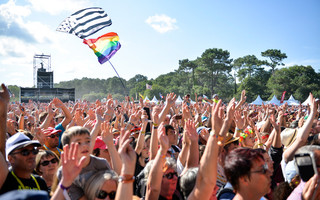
141,150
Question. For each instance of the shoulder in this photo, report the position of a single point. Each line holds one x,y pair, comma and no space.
99,163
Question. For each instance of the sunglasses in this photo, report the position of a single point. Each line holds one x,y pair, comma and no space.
170,175
264,169
53,136
103,194
27,152
45,163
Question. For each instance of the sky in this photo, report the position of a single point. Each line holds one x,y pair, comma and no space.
154,35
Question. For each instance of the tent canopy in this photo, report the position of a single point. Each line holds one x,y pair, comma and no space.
274,101
179,100
258,101
154,100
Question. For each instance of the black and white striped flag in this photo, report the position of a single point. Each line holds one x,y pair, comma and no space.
85,22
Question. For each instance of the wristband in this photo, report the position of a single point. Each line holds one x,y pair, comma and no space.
155,127
64,187
130,123
155,124
142,132
126,178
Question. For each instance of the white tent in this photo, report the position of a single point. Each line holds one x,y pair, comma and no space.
179,100
274,101
146,99
291,101
258,101
154,100
306,102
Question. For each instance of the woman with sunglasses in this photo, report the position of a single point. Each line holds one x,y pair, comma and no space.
46,166
101,185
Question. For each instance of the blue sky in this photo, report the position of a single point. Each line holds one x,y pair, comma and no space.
154,35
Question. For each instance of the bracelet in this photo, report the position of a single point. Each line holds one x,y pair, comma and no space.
126,178
130,123
64,187
212,133
142,132
155,127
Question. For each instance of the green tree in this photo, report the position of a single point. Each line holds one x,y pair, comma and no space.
255,85
296,80
275,57
187,66
246,66
15,92
214,64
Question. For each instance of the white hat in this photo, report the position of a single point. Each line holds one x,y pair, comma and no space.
19,140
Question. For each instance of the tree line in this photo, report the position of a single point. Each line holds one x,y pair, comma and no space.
214,72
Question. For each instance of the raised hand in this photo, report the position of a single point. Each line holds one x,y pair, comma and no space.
57,102
4,96
216,119
71,165
191,130
239,120
162,137
170,99
106,134
155,115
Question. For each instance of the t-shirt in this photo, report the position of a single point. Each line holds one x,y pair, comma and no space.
221,177
60,127
95,164
11,183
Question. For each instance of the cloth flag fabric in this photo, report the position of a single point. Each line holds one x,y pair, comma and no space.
148,87
141,95
282,97
85,22
160,95
104,46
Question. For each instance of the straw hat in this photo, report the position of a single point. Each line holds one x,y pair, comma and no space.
288,136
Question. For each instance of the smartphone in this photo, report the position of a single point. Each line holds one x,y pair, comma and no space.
306,165
148,112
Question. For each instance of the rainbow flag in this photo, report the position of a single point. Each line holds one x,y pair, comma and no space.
104,46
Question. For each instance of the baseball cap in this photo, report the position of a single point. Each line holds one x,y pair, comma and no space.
50,131
18,141
100,143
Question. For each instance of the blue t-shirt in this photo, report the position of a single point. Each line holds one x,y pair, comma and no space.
60,127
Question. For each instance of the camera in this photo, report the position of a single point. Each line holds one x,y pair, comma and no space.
306,165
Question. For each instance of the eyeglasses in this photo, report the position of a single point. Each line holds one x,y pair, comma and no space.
45,163
170,175
264,169
103,194
26,152
53,136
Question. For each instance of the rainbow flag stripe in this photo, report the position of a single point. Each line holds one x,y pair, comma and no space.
104,46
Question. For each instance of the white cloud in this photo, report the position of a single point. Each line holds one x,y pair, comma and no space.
55,7
162,23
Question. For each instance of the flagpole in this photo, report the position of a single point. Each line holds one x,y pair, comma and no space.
117,74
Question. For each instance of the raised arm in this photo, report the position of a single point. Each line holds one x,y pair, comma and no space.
156,172
207,174
4,102
107,138
71,168
140,141
302,134
193,155
128,157
67,115
154,139
45,124
170,101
